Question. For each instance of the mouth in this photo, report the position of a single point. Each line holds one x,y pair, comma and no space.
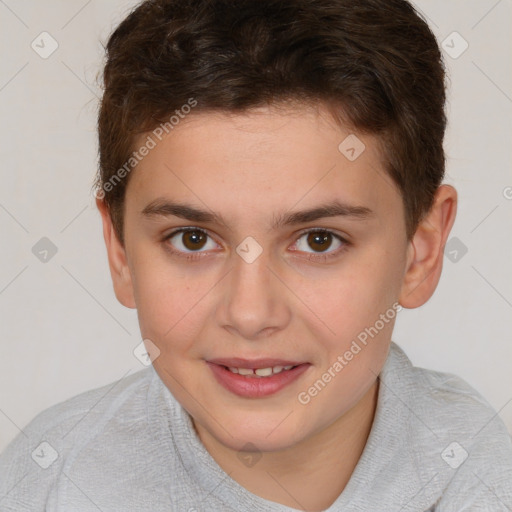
256,378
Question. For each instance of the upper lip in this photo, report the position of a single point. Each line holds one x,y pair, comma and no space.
238,362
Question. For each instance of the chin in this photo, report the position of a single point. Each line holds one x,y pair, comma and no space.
268,436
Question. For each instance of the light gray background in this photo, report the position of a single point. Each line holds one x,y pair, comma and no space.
62,329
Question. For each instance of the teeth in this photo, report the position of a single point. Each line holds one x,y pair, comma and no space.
260,372
263,372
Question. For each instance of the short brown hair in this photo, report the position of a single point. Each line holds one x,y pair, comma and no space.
374,63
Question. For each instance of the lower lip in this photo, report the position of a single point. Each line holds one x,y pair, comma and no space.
256,387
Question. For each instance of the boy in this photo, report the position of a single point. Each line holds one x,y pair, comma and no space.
271,197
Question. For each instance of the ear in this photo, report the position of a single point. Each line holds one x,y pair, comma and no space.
119,270
426,249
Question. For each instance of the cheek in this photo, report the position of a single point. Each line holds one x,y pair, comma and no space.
360,307
355,296
168,300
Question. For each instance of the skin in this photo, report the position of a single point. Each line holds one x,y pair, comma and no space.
250,168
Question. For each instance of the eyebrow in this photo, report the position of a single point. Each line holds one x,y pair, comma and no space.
165,208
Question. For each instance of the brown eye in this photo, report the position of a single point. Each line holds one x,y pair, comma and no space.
193,240
319,240
189,240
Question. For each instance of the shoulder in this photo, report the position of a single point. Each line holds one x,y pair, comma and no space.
77,413
455,433
444,399
34,461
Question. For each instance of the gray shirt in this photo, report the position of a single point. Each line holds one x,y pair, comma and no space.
435,445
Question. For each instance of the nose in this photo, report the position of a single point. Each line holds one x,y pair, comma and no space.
254,303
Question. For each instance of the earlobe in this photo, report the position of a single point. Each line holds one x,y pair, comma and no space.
426,249
117,260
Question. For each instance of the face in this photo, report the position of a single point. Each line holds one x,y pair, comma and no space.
251,283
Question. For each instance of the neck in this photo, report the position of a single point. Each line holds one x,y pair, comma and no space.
311,474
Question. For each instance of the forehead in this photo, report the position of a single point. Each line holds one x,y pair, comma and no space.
263,161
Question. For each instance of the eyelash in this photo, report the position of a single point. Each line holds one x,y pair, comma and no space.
314,256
